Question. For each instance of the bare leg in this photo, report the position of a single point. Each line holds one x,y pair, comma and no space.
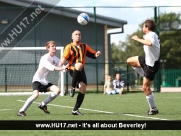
28,103
134,62
55,92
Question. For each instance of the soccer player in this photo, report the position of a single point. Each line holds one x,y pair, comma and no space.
148,65
118,84
49,62
75,53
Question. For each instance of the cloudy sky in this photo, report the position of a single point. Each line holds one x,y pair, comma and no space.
134,16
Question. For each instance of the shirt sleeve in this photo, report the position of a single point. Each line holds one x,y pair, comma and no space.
151,37
90,52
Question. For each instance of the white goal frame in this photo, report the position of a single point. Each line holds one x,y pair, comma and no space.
61,74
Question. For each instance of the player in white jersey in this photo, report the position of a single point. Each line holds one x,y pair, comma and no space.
48,62
148,65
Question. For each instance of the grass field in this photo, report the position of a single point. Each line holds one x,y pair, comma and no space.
130,106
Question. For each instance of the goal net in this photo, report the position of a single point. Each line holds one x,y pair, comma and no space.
18,66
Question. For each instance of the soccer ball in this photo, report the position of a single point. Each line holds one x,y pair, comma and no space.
83,19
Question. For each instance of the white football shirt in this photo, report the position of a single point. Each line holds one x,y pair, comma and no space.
152,53
47,64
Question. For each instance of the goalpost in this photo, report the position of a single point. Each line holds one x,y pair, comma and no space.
19,64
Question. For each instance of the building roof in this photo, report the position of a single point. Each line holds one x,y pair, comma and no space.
72,13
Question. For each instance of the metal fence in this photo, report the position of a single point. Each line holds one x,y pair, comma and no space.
18,77
171,77
54,27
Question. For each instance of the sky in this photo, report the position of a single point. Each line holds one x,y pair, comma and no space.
134,16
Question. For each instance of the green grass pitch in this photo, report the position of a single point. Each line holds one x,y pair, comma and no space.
130,106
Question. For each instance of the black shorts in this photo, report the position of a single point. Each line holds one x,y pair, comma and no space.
82,77
41,88
149,72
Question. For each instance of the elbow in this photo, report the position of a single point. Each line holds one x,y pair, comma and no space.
148,43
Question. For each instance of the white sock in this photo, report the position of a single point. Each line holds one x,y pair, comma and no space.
49,98
151,101
28,102
139,71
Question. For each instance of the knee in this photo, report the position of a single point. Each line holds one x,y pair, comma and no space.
83,88
58,91
35,96
146,89
128,61
78,66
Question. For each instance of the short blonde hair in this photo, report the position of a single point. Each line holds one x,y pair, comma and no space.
48,44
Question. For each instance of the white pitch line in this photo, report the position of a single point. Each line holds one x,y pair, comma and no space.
101,111
144,117
4,109
155,97
49,104
72,107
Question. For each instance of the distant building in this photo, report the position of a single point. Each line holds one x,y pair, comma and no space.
58,25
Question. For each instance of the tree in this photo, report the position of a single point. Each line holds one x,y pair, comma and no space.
170,40
123,50
170,37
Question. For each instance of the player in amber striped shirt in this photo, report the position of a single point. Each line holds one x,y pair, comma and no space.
75,53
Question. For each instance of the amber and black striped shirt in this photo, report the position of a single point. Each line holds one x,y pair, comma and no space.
74,53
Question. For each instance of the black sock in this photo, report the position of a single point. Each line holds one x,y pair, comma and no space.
79,101
75,78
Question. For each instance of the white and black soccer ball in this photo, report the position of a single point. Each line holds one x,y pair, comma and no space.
83,19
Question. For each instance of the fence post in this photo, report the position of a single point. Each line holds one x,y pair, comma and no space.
157,79
5,79
95,33
127,69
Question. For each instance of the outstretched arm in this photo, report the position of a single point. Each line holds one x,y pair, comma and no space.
145,42
63,60
91,53
62,68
